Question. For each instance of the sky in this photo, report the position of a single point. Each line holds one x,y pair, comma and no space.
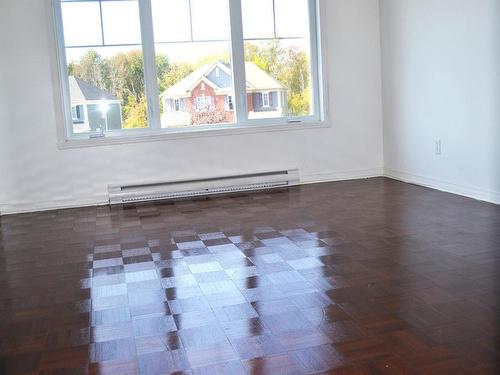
171,24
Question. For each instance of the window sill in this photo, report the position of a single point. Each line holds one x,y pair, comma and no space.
139,136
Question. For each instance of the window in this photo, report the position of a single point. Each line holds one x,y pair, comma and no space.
135,65
229,103
78,115
265,99
204,103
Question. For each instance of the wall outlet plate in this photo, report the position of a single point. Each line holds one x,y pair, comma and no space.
438,147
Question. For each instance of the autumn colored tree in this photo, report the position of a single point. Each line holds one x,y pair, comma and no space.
177,72
123,75
93,69
135,114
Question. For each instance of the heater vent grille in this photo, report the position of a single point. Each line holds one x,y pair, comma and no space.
194,188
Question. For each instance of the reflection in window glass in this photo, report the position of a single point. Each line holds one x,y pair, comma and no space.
106,82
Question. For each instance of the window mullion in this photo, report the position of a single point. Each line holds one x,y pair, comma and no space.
149,59
238,61
314,36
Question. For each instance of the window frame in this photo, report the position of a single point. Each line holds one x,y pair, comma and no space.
266,98
177,105
319,95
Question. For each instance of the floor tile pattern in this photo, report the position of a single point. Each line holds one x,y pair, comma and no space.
360,277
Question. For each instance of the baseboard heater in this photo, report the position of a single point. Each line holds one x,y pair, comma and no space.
120,194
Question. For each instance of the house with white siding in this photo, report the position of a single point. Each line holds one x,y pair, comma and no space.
93,108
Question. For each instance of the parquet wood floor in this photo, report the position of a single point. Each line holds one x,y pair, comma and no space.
360,277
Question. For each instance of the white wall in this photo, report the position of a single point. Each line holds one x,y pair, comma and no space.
441,80
35,174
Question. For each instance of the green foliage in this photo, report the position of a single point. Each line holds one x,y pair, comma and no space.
177,72
210,59
127,75
269,56
93,69
123,75
135,113
162,68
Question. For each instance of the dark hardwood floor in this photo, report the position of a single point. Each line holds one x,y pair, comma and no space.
360,277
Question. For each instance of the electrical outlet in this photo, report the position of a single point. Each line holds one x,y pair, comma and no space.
438,148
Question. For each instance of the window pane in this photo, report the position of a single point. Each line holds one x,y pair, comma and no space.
121,22
291,18
278,69
106,84
258,19
171,20
82,23
195,78
210,19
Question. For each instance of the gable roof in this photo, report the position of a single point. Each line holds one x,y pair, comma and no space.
257,79
83,91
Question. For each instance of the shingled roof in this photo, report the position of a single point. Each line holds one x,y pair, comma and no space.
257,79
83,91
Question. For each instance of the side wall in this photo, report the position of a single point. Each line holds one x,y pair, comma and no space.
441,81
35,174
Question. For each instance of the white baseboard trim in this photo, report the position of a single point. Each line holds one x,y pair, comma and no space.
341,176
445,186
27,207
467,191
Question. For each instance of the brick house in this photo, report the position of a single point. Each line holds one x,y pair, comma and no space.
209,88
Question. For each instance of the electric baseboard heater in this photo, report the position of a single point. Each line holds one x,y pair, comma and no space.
120,194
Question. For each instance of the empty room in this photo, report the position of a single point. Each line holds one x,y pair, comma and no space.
249,187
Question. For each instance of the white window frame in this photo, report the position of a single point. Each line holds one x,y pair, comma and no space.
203,103
318,88
266,101
74,113
177,105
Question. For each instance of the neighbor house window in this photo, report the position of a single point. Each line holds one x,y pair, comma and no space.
204,103
229,103
77,115
121,58
265,99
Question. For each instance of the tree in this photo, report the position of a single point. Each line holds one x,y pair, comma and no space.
177,72
162,68
135,114
224,57
91,68
127,74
